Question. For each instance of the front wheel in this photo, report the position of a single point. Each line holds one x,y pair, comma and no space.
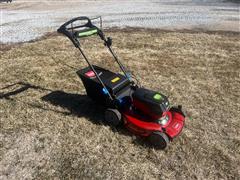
159,140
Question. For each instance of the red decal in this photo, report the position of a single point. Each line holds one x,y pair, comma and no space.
90,74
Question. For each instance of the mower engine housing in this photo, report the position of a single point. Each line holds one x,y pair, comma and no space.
151,103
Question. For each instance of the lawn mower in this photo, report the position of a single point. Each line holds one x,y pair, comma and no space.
142,111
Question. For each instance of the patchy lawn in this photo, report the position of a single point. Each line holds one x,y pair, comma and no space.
49,128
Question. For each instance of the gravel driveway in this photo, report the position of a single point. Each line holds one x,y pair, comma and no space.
27,20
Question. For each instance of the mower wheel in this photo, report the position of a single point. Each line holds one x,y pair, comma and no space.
159,140
113,117
177,109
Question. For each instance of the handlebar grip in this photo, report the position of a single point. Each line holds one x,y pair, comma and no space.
71,34
64,30
77,19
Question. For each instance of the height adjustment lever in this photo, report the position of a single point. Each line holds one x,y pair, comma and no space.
108,42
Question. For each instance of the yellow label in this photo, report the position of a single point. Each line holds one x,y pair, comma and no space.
115,79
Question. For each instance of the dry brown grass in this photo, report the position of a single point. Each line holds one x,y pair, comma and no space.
49,128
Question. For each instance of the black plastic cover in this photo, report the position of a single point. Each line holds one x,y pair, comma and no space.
151,101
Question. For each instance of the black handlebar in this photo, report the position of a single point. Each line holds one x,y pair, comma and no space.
71,34
81,18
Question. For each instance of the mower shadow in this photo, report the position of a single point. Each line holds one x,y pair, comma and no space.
23,87
77,104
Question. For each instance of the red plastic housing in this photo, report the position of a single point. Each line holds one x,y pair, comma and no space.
142,127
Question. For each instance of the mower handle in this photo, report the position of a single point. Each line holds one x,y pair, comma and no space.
68,31
81,18
92,29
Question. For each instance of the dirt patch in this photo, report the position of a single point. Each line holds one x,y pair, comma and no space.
49,128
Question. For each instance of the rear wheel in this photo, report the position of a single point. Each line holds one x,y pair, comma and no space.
159,140
177,109
113,117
